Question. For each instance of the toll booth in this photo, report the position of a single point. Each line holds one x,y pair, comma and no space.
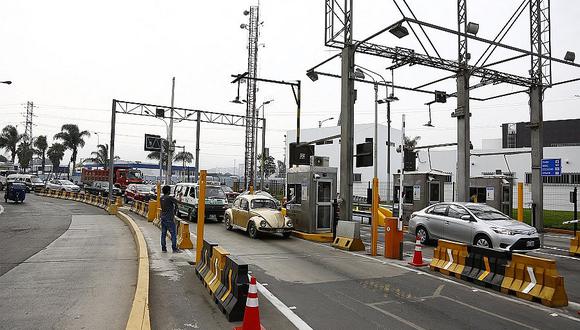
420,189
494,190
310,192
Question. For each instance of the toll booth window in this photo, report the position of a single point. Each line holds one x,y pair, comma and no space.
408,194
434,192
477,194
396,194
294,193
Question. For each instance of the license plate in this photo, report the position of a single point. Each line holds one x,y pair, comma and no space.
530,243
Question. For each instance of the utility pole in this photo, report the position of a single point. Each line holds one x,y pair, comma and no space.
347,116
462,112
197,135
28,128
169,172
250,146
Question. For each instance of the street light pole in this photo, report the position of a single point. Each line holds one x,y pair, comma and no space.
169,173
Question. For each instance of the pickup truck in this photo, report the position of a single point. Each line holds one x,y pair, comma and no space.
101,188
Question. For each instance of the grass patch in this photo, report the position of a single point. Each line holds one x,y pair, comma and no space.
552,219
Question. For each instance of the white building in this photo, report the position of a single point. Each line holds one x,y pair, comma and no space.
363,175
556,189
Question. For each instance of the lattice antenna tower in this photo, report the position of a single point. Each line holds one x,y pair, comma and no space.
250,144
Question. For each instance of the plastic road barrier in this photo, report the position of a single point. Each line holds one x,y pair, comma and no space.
449,258
183,238
348,236
575,245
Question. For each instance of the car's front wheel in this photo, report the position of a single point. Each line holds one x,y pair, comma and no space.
423,235
252,230
483,241
228,222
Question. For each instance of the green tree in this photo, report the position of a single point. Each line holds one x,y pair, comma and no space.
9,139
411,143
269,165
25,153
73,139
41,146
184,157
101,156
155,154
281,168
55,153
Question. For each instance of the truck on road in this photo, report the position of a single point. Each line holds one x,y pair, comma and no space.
123,176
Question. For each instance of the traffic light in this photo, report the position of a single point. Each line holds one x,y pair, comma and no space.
160,112
440,97
364,154
300,155
409,160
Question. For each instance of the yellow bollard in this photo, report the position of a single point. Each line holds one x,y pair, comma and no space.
520,201
251,190
152,210
375,217
200,215
119,201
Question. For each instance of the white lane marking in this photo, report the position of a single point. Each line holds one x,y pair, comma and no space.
1,209
554,314
292,307
450,259
396,317
554,248
448,280
533,282
488,312
556,255
285,310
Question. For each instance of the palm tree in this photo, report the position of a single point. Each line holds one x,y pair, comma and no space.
9,139
101,156
41,145
411,143
55,153
183,156
72,138
25,154
155,154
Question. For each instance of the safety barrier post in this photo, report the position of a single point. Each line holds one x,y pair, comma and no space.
375,217
200,214
520,201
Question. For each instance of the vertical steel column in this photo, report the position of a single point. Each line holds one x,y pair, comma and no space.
462,112
263,150
250,147
347,116
389,191
537,142
197,131
112,149
171,147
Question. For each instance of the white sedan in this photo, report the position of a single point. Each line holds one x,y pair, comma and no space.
62,185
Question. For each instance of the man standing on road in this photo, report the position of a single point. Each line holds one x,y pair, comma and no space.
168,205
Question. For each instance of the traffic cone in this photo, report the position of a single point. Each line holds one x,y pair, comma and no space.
252,312
418,255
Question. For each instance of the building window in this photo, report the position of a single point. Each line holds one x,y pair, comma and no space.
356,177
294,193
565,178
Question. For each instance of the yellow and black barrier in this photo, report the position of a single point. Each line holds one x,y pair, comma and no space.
226,279
183,236
527,277
575,245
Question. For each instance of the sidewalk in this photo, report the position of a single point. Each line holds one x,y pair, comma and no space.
85,279
177,298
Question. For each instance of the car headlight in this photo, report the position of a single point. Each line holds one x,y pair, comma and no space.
263,223
289,223
503,231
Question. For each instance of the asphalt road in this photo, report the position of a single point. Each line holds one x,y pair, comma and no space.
65,265
333,289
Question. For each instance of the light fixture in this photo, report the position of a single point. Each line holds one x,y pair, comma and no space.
246,12
472,28
399,30
312,75
160,112
7,82
570,56
243,26
358,73
237,100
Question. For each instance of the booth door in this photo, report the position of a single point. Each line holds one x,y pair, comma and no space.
323,204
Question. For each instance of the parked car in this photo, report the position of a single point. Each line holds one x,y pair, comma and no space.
62,185
257,214
230,194
32,182
474,224
101,188
138,192
216,202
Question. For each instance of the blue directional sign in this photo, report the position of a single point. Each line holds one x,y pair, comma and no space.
552,167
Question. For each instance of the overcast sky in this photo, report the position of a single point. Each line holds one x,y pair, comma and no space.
71,58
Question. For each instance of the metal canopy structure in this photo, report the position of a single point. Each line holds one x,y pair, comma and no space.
179,114
339,34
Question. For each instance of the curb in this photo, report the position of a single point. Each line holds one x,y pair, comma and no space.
139,317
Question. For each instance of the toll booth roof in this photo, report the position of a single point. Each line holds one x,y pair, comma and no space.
431,172
308,168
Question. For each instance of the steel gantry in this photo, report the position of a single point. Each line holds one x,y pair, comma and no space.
339,32
179,114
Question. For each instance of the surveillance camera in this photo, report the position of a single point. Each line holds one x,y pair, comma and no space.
316,176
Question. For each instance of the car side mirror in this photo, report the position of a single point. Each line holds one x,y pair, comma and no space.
466,217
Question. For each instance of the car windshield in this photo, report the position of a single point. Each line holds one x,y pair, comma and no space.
143,188
485,212
35,180
134,175
104,185
66,182
214,192
227,189
264,204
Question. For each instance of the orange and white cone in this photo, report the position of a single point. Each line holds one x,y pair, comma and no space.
417,255
252,312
